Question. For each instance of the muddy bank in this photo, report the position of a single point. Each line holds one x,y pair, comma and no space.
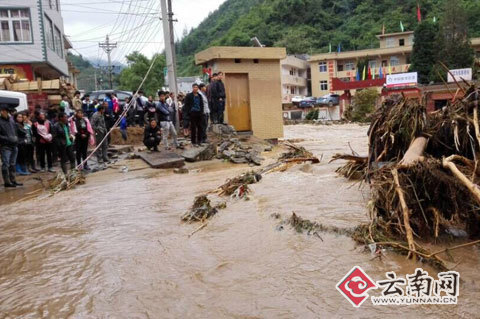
116,246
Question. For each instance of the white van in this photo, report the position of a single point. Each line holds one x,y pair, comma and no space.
22,99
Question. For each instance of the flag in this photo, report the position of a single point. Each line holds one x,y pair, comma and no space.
401,27
339,47
358,74
369,76
364,75
330,48
434,19
419,13
383,29
373,73
380,72
389,69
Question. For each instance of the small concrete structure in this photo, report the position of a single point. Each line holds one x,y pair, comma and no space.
162,159
253,87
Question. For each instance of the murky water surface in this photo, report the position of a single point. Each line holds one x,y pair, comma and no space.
115,247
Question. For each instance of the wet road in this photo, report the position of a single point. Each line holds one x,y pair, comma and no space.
115,247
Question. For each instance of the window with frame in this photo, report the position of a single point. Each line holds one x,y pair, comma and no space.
390,42
339,67
292,90
372,64
58,42
49,34
53,4
394,61
324,85
292,71
349,66
322,66
401,42
15,25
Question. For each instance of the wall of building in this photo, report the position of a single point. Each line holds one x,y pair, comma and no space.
24,52
265,94
56,59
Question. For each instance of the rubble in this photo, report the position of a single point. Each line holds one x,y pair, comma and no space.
201,210
200,153
181,170
423,174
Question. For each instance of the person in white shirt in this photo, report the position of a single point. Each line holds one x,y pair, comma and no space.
206,112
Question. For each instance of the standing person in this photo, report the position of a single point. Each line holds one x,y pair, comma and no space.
76,102
193,112
218,98
88,106
166,123
151,136
8,147
64,142
108,106
42,129
206,112
123,128
172,108
212,106
100,129
117,110
21,164
150,114
82,130
29,148
65,105
140,109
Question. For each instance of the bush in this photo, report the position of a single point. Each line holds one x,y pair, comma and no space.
312,115
363,103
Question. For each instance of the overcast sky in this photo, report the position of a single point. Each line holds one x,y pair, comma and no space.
134,24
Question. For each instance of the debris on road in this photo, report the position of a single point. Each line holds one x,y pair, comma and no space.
354,169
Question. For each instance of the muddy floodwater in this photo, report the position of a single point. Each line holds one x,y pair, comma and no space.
115,247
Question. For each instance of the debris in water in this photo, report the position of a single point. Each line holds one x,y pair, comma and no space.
181,170
65,182
201,210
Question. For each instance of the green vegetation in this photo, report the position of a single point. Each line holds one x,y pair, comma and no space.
424,51
312,115
131,77
309,26
363,104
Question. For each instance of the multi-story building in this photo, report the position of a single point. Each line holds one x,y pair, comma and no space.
32,41
336,72
294,71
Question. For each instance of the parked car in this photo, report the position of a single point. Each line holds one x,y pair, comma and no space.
328,100
100,95
297,99
307,103
15,99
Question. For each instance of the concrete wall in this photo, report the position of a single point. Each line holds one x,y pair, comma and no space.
24,53
55,60
265,94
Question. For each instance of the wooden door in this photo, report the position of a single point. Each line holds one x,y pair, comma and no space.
238,101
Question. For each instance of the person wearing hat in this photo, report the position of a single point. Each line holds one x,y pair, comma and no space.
8,147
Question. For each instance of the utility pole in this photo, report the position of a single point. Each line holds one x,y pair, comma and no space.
96,84
169,40
108,47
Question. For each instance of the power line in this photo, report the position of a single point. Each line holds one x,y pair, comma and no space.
108,47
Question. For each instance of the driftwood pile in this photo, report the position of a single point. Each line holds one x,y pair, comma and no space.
424,173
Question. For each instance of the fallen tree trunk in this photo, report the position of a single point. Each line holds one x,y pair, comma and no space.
473,188
415,152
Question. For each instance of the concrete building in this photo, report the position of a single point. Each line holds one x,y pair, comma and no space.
184,84
32,41
294,78
253,87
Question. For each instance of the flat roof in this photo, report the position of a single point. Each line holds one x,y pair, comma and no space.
215,53
394,34
361,53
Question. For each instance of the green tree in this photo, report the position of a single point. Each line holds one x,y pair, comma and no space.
424,53
137,66
363,104
453,43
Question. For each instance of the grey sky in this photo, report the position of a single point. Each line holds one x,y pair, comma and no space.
137,27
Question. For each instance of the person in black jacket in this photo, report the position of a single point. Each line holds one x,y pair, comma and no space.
21,165
64,142
193,115
218,96
152,135
8,147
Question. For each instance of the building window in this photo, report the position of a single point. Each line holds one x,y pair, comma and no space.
292,90
340,67
238,61
323,85
49,34
401,42
384,63
349,66
58,42
372,64
15,25
292,71
255,61
322,66
390,42
394,61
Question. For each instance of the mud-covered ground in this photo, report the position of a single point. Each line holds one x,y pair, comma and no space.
116,248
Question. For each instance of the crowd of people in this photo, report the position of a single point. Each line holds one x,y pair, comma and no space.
31,142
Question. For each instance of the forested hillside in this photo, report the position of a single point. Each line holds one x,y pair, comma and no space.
309,26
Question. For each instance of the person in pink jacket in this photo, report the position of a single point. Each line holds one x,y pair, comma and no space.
81,128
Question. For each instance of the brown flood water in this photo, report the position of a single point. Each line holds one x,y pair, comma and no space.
115,247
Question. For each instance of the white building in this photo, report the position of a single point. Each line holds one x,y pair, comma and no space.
32,41
184,84
294,78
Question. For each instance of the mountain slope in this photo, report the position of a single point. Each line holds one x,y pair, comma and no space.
309,26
